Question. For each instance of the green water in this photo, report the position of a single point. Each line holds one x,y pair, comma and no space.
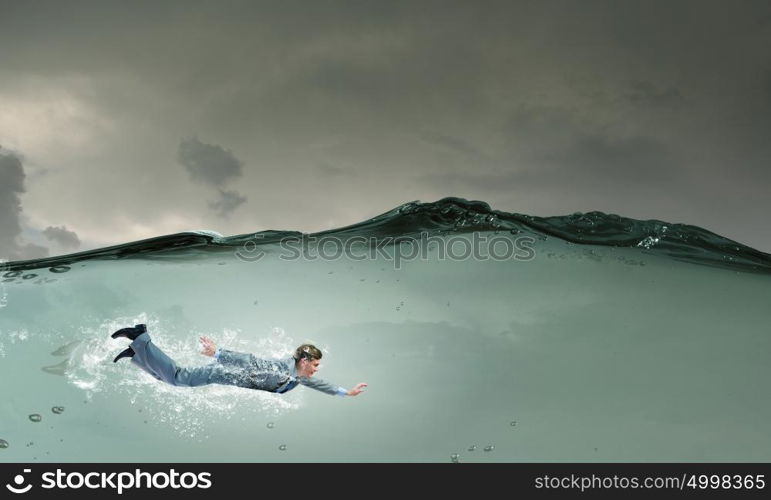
582,353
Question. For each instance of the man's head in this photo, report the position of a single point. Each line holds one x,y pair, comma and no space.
307,358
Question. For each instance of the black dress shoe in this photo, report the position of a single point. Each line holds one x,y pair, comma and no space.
130,332
126,353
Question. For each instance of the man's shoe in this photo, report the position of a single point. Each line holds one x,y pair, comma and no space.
126,353
131,332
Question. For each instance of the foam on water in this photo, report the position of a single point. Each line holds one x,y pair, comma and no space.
612,339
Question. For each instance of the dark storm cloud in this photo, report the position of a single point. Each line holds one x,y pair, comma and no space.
491,98
594,157
552,145
359,80
229,201
208,163
11,186
453,143
647,94
214,166
329,170
767,86
549,146
61,235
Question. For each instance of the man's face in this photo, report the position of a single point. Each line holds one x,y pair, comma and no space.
308,367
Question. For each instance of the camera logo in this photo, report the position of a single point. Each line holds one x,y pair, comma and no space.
19,480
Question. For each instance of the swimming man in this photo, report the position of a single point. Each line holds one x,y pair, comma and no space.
232,368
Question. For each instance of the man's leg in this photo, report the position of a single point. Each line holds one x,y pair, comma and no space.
144,367
154,361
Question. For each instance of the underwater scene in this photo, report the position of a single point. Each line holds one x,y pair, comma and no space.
483,336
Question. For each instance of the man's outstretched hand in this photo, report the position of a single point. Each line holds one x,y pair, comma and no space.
357,390
209,348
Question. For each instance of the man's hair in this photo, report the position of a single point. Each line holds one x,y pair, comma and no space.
308,351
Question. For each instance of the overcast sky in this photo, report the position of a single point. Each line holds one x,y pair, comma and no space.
125,120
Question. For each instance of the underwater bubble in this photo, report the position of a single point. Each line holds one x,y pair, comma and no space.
57,409
29,276
472,447
271,425
489,448
282,447
454,457
12,274
513,423
3,444
36,417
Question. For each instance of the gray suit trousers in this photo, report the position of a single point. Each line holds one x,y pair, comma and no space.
155,362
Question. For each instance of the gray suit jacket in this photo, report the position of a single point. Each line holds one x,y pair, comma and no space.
274,375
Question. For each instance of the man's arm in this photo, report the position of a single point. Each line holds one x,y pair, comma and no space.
224,356
331,389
